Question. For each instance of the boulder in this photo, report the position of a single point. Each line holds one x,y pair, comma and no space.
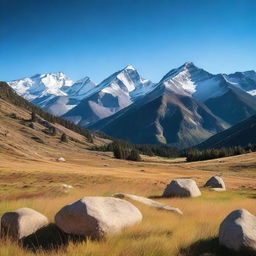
149,202
238,231
182,188
96,217
21,223
216,182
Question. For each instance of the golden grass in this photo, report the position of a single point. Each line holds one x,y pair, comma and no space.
37,184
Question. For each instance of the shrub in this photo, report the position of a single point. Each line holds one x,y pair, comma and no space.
134,155
64,138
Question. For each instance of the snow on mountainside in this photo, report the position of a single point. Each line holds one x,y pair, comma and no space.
244,80
54,92
190,80
113,94
42,85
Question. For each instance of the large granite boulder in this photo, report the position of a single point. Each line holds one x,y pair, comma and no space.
182,188
96,217
216,182
21,223
238,231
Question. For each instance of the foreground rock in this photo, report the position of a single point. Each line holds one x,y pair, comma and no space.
21,223
182,188
216,182
148,202
97,216
238,231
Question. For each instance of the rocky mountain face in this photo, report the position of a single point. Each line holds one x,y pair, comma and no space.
186,107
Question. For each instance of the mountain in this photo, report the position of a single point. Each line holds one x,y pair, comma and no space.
228,100
240,134
54,92
188,105
163,116
42,85
244,80
116,92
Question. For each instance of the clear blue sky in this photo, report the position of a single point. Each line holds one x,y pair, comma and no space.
98,37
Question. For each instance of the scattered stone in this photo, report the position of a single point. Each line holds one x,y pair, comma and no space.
238,231
21,223
148,202
182,188
66,186
96,217
216,182
61,159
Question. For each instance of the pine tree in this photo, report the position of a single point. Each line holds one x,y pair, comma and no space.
33,116
134,155
64,138
53,131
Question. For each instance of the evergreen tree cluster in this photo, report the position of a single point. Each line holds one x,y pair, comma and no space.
122,147
9,95
197,155
121,152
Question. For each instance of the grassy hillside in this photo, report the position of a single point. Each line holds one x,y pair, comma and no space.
240,134
38,184
22,137
9,95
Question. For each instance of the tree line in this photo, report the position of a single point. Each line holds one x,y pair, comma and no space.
197,155
124,150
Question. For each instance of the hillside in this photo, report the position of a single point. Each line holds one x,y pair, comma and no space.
20,136
240,134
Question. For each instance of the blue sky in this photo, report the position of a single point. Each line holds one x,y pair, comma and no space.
98,37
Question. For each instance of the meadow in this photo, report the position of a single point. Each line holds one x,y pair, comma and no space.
38,184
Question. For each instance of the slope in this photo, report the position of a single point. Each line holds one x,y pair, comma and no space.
240,134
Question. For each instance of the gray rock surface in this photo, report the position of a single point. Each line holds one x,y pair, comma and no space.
148,202
215,182
97,216
182,188
238,231
21,223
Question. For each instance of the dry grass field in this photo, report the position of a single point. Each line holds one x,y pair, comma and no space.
37,183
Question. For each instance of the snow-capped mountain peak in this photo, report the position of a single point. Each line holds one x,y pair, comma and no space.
41,85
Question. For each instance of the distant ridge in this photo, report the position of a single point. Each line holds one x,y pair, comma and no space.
240,134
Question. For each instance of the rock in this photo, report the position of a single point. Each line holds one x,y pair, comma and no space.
61,159
96,217
66,186
182,188
218,189
148,202
21,223
215,182
238,231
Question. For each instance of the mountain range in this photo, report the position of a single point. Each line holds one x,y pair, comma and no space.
187,106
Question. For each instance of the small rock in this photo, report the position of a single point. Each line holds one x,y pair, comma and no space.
61,159
66,186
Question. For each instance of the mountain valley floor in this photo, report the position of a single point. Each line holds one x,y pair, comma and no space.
38,184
